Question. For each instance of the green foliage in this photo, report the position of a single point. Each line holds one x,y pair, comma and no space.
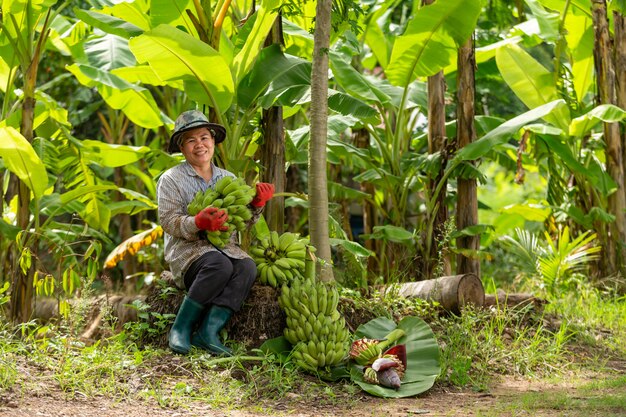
150,324
481,343
556,260
598,317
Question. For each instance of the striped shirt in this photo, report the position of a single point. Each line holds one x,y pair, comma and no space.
183,245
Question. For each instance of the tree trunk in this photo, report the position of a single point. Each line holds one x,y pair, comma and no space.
22,293
619,25
361,138
295,214
502,299
273,149
614,250
467,198
452,292
318,189
273,157
437,261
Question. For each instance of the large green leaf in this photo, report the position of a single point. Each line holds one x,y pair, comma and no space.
107,23
531,82
144,74
352,247
422,356
109,52
530,211
272,66
349,106
83,191
579,6
597,176
266,15
392,234
375,38
607,113
136,102
298,41
51,205
110,155
287,90
580,39
548,21
175,55
503,133
431,39
135,13
97,214
20,158
354,82
173,13
8,231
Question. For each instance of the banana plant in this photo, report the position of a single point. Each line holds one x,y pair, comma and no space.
24,31
189,61
564,148
389,163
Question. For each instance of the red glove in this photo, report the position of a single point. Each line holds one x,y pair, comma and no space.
212,219
264,191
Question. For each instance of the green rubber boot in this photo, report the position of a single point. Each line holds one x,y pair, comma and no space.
188,315
207,337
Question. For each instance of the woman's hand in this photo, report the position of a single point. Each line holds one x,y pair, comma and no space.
264,191
212,219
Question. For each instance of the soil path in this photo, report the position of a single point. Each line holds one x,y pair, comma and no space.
501,400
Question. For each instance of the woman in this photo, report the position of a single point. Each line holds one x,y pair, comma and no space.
217,280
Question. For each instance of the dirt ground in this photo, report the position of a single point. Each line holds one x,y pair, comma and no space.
436,402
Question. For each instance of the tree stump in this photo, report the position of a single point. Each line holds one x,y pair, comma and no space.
451,292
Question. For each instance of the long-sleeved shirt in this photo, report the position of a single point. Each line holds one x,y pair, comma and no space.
183,244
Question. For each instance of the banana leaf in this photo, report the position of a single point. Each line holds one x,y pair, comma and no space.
422,356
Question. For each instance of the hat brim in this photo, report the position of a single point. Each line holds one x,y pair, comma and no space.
218,132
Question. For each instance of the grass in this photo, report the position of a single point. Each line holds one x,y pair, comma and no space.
118,369
480,344
580,331
606,397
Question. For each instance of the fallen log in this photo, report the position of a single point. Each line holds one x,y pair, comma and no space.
513,300
451,292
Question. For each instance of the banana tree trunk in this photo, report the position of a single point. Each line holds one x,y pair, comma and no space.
22,292
619,45
273,159
273,149
318,189
437,143
615,251
361,140
467,198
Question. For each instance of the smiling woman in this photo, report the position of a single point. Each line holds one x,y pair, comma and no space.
217,278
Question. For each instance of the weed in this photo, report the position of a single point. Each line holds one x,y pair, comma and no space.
150,324
480,343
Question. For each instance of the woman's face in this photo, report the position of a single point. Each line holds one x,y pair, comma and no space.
198,145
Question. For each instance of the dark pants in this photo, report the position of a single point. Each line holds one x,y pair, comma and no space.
214,278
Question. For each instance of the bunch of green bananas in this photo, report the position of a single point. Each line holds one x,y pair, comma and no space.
231,194
279,259
315,327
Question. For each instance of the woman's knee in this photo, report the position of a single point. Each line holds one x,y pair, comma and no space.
250,266
223,265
